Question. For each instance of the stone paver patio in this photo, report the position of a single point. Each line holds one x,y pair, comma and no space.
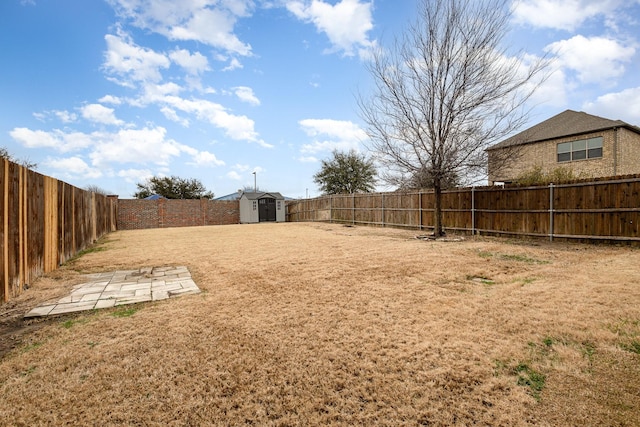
104,290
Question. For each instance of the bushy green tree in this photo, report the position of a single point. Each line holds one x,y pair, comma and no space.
346,173
173,187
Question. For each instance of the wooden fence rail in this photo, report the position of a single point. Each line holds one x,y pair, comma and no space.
607,209
43,223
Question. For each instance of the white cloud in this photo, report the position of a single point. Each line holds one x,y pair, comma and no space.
624,105
595,59
57,139
233,64
207,21
234,175
110,99
307,159
240,172
345,23
212,27
65,116
246,94
564,14
135,175
142,146
205,158
334,128
329,135
132,63
193,63
35,138
171,114
236,127
98,113
157,92
73,167
551,92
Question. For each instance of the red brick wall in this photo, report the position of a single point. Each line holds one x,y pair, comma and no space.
138,214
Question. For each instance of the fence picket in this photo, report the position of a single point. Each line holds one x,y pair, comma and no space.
41,225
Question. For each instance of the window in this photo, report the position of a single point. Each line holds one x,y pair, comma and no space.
580,150
279,204
255,205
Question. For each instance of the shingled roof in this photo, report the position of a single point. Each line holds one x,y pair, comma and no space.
567,123
262,194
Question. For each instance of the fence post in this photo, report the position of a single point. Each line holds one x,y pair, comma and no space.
420,208
382,202
353,208
5,232
473,211
551,212
24,230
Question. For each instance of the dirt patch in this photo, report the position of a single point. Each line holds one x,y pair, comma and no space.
13,326
315,324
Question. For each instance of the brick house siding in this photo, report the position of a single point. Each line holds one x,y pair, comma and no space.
620,148
162,213
628,152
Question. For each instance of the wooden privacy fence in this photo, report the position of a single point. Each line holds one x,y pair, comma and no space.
43,223
597,210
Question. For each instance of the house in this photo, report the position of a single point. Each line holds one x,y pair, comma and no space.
232,196
261,206
588,145
154,197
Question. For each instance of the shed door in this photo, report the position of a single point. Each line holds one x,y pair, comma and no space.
267,209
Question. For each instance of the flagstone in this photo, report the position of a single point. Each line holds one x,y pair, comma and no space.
110,289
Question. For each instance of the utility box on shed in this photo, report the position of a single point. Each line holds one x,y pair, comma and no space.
261,207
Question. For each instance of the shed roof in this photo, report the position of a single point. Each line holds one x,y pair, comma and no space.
261,195
565,124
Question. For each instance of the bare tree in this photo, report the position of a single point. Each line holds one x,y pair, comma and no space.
446,91
97,189
5,154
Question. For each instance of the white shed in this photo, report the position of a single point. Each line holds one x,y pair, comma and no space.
261,206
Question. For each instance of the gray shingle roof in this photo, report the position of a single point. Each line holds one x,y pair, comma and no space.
565,124
259,195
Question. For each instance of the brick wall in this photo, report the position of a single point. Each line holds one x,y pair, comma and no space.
139,214
628,152
625,144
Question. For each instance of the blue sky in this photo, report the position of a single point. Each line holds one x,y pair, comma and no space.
111,92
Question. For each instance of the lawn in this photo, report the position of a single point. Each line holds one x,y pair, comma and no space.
322,324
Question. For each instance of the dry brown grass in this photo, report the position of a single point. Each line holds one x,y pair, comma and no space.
318,324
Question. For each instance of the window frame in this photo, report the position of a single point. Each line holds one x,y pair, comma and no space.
580,149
